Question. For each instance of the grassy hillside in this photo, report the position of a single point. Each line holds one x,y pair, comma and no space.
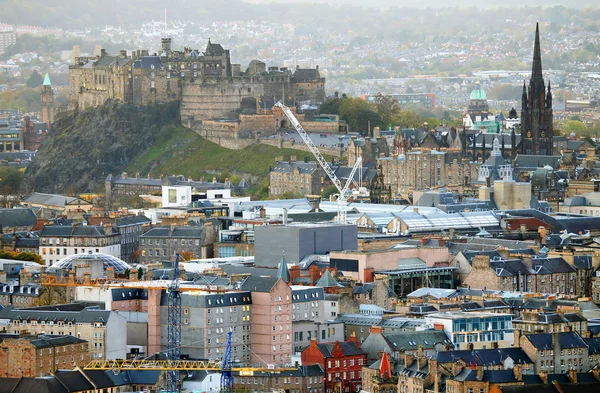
179,150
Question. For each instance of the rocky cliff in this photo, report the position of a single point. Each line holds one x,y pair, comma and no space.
84,148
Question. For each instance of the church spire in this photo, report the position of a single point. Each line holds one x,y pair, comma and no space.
536,69
283,272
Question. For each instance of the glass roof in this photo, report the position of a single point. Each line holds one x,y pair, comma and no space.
109,261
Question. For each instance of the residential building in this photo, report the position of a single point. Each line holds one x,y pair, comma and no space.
342,362
206,321
40,355
60,241
19,294
397,344
526,274
304,379
298,177
271,334
556,352
474,330
536,321
162,243
103,330
8,37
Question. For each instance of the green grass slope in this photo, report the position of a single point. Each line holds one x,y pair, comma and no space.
179,150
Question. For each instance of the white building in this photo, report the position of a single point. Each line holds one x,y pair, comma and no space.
474,330
60,241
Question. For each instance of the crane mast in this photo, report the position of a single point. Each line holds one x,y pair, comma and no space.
174,328
342,199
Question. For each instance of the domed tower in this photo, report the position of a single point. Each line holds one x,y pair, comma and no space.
478,105
47,97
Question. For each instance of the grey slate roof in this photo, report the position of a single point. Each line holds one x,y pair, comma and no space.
39,385
39,198
74,381
566,340
259,284
349,348
486,357
87,315
22,217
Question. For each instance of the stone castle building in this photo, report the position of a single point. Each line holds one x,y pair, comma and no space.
208,86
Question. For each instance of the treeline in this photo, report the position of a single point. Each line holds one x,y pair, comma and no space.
21,256
385,112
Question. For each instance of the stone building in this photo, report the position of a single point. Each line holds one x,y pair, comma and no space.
527,274
296,177
60,241
536,321
368,148
556,352
205,83
421,169
162,243
47,97
536,109
103,330
40,355
307,379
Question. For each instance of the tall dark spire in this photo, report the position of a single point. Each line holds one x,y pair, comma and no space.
536,69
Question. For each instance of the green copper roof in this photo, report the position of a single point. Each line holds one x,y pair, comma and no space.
47,80
478,94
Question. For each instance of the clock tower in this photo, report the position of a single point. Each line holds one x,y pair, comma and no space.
536,109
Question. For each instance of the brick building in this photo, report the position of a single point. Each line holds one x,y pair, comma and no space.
342,361
37,356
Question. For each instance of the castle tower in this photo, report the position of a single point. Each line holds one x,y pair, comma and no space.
47,97
536,109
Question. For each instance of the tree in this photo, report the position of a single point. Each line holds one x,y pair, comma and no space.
290,195
387,107
329,191
35,79
576,126
331,106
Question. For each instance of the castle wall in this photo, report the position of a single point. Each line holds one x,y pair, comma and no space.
216,98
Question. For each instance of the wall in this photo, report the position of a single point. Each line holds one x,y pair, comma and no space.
216,98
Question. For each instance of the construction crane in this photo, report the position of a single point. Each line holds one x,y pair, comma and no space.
226,376
174,327
343,196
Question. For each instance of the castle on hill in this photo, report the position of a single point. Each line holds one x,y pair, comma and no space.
209,88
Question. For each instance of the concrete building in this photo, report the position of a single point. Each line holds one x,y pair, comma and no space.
297,241
272,332
103,330
208,318
474,330
60,241
40,355
8,37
